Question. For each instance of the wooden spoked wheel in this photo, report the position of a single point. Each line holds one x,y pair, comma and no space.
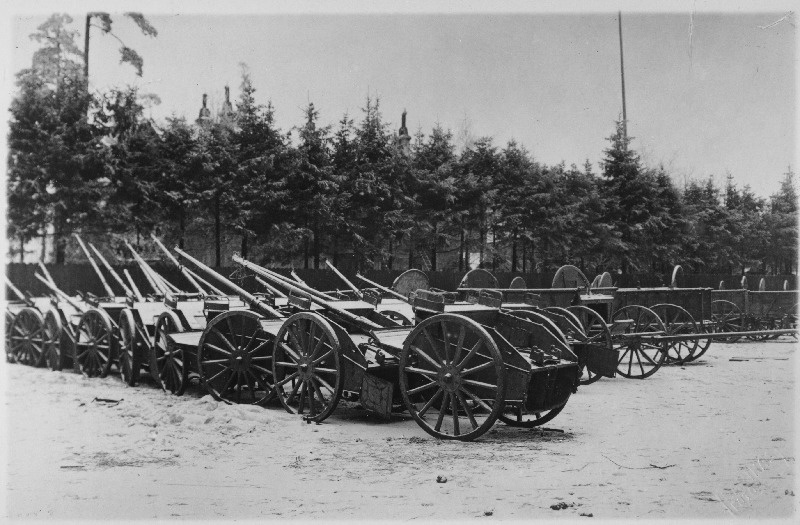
233,358
727,317
451,377
598,336
530,420
569,276
678,321
9,322
305,362
513,415
410,281
53,334
789,321
702,344
27,337
168,360
96,345
566,321
639,355
130,361
397,317
755,324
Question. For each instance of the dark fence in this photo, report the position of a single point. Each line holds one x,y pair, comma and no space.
72,278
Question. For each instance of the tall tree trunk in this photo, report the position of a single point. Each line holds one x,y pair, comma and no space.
391,253
482,234
217,231
316,244
461,249
22,249
494,248
411,253
60,242
86,50
514,253
433,245
244,249
182,226
336,249
43,257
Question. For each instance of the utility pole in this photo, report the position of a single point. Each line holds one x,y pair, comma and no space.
622,73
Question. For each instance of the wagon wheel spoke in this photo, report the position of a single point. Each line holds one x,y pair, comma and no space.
480,384
470,354
225,341
302,401
467,409
426,357
214,361
318,360
484,366
291,397
454,410
286,379
442,410
422,388
462,332
430,403
325,384
290,352
446,339
638,358
228,382
477,400
261,369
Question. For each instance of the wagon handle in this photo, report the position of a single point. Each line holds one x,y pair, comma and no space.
382,288
46,273
345,279
108,289
283,280
269,287
207,284
178,265
162,283
136,291
252,300
113,273
157,287
297,278
60,293
362,321
17,292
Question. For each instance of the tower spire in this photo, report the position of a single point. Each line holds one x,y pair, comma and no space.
622,74
404,137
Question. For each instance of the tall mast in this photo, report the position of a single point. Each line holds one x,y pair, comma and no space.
622,74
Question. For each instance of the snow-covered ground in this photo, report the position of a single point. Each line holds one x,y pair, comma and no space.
709,440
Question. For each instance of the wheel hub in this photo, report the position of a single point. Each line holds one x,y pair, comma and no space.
450,379
305,368
240,360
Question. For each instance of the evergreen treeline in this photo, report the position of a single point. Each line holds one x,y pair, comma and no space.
80,160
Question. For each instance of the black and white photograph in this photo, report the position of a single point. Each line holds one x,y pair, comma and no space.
402,262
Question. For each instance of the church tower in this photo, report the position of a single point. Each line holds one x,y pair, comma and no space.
404,137
205,114
227,115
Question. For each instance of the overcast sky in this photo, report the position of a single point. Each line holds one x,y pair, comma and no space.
706,93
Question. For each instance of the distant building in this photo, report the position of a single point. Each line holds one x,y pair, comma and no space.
205,114
227,115
404,138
